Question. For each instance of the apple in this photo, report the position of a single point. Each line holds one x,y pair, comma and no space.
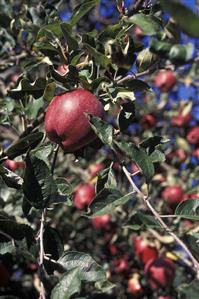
148,121
101,222
193,136
14,165
94,169
195,153
121,264
138,32
83,196
4,276
173,194
66,123
181,120
164,297
160,272
179,154
165,80
134,286
190,196
62,69
143,250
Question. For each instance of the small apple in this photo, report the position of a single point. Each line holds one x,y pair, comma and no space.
160,272
4,276
143,250
148,121
101,222
173,194
62,69
193,136
14,165
66,123
83,196
165,80
164,297
121,264
94,169
195,153
134,286
138,32
178,154
181,120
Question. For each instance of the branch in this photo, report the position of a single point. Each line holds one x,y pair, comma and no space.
159,219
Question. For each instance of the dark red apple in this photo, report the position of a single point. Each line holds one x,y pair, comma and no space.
4,276
121,264
83,196
134,286
165,80
181,120
160,273
102,222
148,121
173,194
143,250
94,169
193,136
66,123
14,165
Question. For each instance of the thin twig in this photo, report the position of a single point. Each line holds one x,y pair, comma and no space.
159,219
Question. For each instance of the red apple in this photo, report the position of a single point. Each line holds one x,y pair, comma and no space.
102,222
148,121
196,153
134,286
138,32
62,69
160,273
190,196
4,276
181,120
165,80
95,168
179,154
121,264
14,165
143,250
83,196
193,136
66,123
164,297
173,194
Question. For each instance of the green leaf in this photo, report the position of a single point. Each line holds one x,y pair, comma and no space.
53,243
157,156
81,10
49,91
149,24
10,178
99,58
106,201
64,194
6,247
145,59
181,53
69,37
126,116
38,185
137,85
139,156
189,291
141,221
52,29
24,144
106,179
103,130
187,20
87,267
25,87
188,209
68,285
160,47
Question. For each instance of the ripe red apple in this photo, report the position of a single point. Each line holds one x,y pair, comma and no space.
121,264
148,121
4,276
165,80
102,222
62,69
143,250
95,168
190,196
164,297
83,196
160,273
193,136
138,32
195,153
181,120
66,122
179,154
134,286
14,165
173,194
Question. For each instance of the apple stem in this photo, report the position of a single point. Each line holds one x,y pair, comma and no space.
159,219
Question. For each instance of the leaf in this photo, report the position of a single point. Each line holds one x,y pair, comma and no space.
64,194
68,285
49,91
36,89
81,11
139,156
188,209
141,221
69,37
157,156
137,85
181,53
53,243
88,269
99,58
106,179
145,59
160,47
38,185
189,291
106,201
53,29
102,129
10,178
187,20
6,247
24,144
149,24
126,116
8,297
